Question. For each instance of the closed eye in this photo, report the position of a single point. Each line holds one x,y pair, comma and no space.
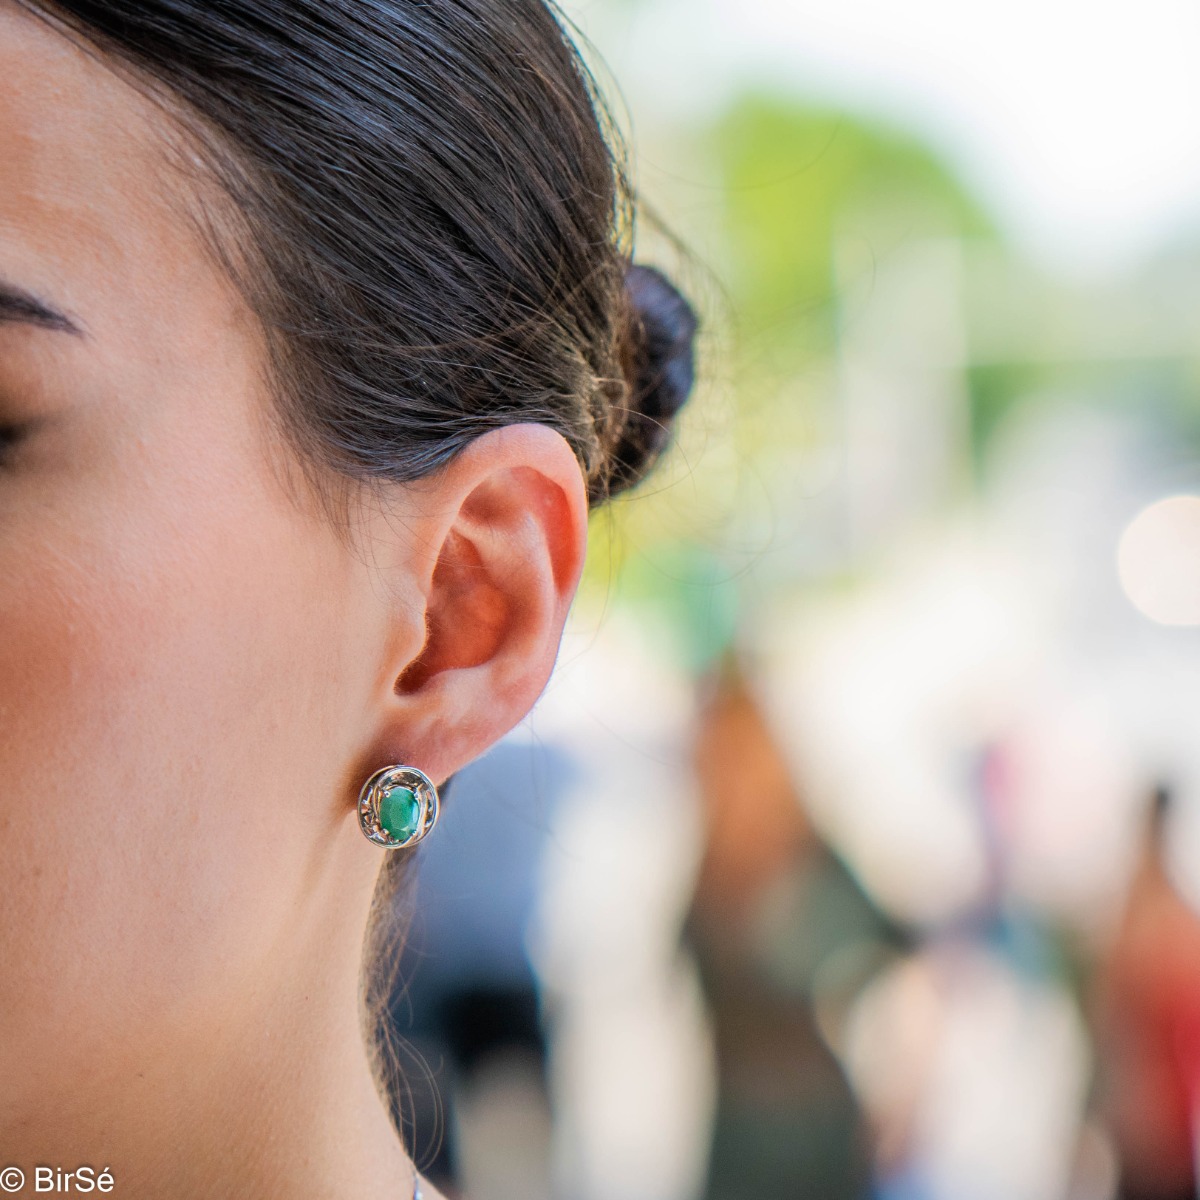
20,307
10,436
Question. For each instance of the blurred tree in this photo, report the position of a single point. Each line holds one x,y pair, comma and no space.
794,180
799,205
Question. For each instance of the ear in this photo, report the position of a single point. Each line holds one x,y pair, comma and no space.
496,545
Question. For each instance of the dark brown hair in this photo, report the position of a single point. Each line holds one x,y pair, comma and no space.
433,226
437,223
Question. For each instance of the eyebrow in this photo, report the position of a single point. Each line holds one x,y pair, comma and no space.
21,307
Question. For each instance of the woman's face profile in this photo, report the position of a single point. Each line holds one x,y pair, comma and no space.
169,697
199,668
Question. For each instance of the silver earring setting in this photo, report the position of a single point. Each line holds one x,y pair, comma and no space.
397,807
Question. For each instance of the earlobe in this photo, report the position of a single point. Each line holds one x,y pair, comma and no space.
505,557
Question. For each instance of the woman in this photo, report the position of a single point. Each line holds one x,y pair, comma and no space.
318,339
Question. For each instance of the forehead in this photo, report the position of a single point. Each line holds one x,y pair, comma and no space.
88,210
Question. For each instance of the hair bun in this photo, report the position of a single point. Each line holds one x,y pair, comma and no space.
660,370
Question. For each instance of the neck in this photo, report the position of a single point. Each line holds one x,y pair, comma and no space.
269,1095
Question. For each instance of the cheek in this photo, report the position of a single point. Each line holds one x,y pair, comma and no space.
166,772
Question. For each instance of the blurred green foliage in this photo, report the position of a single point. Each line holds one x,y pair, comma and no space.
807,200
799,183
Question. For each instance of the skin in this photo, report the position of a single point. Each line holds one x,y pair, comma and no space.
198,671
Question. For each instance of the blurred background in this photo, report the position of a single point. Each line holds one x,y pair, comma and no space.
854,848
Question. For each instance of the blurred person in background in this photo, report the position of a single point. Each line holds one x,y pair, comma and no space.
1147,1004
773,909
469,1004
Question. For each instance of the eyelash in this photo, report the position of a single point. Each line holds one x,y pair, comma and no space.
10,435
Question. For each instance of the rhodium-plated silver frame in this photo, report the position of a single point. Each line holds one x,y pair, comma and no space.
371,797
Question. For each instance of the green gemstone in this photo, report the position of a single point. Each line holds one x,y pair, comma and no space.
399,812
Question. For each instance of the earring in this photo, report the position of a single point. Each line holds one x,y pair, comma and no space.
397,807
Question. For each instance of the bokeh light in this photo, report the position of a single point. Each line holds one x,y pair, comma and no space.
1159,561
